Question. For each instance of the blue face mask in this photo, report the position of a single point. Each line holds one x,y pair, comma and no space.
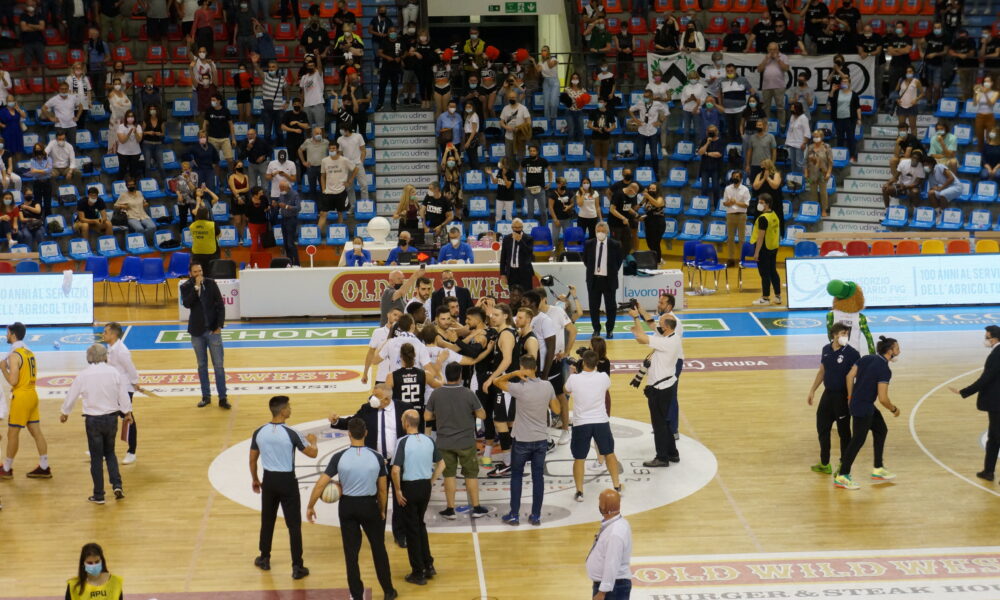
94,570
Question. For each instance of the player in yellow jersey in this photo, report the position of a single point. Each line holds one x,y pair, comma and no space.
20,371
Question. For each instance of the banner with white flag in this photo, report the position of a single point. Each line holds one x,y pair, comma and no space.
675,68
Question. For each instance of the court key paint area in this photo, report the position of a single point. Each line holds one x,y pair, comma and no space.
696,325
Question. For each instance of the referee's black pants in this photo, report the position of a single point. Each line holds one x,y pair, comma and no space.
833,409
357,513
660,404
861,426
281,489
418,495
600,288
992,442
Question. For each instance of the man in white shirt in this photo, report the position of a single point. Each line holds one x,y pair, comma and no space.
648,115
590,420
405,334
661,384
352,146
736,199
336,175
665,307
422,295
693,96
63,110
379,337
513,116
565,338
544,329
773,71
278,170
608,563
105,395
714,74
120,357
907,179
63,158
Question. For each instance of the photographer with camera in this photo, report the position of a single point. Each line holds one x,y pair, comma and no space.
661,391
664,307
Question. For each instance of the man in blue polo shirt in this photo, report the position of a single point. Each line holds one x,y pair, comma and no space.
456,250
275,444
868,381
413,466
362,506
836,361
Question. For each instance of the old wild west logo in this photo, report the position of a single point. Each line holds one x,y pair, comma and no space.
361,290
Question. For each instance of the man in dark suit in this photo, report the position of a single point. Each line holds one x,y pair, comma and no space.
602,257
202,297
988,400
449,288
383,418
516,254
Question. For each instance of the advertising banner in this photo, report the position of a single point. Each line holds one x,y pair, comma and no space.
47,298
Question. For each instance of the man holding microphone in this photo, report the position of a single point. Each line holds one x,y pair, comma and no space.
202,297
276,444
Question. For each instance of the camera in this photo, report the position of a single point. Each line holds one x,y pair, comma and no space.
641,374
628,305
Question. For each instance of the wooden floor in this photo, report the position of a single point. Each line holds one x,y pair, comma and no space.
175,533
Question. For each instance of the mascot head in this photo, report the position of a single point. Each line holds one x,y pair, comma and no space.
847,296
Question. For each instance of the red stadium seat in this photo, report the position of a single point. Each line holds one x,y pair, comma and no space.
888,7
168,79
183,78
759,6
663,6
613,6
717,24
21,87
219,32
230,54
50,85
882,248
331,75
156,55
227,77
878,26
722,6
53,37
911,7
327,9
830,246
688,5
123,54
73,55
355,7
714,45
614,25
907,247
868,7
930,6
995,28
858,248
55,59
10,61
959,247
744,24
921,28
285,31
174,33
637,26
641,48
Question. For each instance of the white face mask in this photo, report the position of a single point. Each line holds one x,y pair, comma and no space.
585,186
451,109
761,206
318,138
575,81
894,358
817,139
987,85
842,340
374,402
988,343
202,55
601,236
357,246
118,87
454,243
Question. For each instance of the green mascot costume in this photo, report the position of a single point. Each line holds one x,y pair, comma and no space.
848,302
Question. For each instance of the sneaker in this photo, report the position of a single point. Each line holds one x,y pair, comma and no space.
821,468
415,578
129,458
550,446
677,437
262,563
299,572
430,572
5,474
96,499
119,494
564,437
448,513
845,482
987,475
40,473
578,497
499,470
882,474
777,300
511,519
226,405
620,489
479,511
761,302
595,467
204,402
536,521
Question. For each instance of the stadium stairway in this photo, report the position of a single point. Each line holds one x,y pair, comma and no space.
405,154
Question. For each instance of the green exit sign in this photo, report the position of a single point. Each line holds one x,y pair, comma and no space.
494,8
521,7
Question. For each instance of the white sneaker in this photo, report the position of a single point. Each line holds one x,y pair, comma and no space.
777,299
129,458
595,467
564,437
761,302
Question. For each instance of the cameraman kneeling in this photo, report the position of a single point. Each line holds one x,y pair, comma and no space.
661,393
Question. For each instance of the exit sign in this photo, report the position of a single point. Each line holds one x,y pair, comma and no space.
494,8
521,7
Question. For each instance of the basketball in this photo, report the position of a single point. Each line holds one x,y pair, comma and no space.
332,493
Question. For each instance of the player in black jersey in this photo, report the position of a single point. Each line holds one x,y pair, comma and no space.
525,344
501,359
409,383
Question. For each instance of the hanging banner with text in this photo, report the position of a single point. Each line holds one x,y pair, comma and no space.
675,68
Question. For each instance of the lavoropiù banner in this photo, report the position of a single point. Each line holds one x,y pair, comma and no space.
675,68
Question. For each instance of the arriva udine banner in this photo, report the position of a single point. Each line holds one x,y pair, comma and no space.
675,68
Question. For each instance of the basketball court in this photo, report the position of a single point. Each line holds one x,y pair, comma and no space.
742,516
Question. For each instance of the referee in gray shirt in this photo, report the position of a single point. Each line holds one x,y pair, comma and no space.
275,444
362,506
413,468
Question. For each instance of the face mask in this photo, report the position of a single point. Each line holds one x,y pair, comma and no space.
894,358
449,283
130,120
647,100
761,206
397,286
657,79
454,243
374,402
731,75
987,85
202,141
202,55
403,243
8,201
357,246
709,105
817,139
473,36
243,6
318,137
839,63
30,9
393,35
95,569
601,105
118,87
91,201
451,109
988,343
842,340
752,104
451,164
297,107
575,81
735,181
601,236
604,68
512,101
473,86
469,110
130,188
843,86
585,186
260,34
899,31
411,30
152,112
940,131
937,31
993,136
239,168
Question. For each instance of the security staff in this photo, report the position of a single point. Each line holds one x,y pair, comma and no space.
988,399
413,468
836,361
362,506
867,382
608,563
661,391
276,443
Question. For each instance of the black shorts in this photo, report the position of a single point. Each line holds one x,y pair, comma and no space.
503,406
236,209
442,91
243,97
579,444
337,202
556,379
